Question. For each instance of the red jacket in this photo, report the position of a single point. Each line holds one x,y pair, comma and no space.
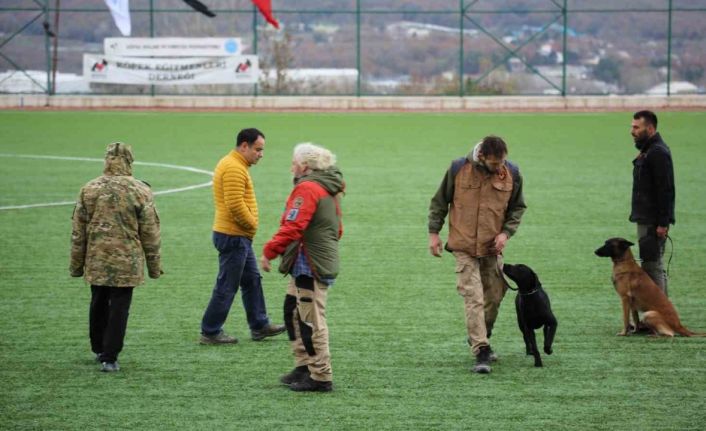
312,216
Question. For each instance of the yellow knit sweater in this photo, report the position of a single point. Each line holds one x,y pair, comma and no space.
234,197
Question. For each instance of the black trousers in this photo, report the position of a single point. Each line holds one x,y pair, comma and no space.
110,307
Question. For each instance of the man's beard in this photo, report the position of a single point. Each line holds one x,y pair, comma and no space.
641,140
492,170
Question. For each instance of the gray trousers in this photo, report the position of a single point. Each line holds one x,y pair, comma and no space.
651,253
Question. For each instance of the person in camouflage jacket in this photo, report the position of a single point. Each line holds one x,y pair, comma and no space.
115,231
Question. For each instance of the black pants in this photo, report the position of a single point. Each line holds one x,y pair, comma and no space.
110,307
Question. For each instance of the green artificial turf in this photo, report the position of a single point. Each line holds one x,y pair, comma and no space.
398,339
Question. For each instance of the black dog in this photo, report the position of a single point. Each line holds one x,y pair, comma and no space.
533,309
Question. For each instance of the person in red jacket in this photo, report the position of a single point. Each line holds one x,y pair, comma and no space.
307,242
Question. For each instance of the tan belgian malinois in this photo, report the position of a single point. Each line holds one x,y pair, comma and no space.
638,292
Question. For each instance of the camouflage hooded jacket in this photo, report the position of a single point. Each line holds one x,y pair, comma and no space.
115,226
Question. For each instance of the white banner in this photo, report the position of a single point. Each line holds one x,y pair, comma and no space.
242,69
172,46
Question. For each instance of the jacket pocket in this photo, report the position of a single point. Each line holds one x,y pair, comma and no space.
288,257
502,186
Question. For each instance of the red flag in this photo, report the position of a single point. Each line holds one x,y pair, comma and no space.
265,7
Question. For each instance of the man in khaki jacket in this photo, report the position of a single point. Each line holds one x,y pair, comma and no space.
482,193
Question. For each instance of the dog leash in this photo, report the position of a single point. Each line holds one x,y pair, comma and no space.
508,284
518,290
671,254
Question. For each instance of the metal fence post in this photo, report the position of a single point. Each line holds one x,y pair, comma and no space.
357,46
669,51
461,17
254,43
152,35
45,11
564,50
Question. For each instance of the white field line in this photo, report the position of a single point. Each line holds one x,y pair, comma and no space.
88,159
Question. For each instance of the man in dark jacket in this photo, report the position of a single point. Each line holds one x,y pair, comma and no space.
653,194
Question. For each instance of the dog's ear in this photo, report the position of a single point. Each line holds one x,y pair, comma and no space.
626,244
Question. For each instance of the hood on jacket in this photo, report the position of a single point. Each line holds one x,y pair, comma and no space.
473,154
118,159
330,179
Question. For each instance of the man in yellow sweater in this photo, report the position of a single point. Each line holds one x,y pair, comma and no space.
234,227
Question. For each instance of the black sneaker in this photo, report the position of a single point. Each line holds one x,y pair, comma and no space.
296,375
268,330
482,365
310,385
110,367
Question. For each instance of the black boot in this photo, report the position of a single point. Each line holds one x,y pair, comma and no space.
482,365
492,355
296,375
310,385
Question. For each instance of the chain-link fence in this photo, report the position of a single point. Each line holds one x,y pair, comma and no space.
382,47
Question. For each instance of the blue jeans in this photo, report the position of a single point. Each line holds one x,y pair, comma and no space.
237,267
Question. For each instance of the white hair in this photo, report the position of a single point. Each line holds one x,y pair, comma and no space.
314,157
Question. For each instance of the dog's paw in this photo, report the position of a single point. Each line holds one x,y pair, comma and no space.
622,333
548,350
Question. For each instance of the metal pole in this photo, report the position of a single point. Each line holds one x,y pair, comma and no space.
564,50
46,46
254,43
55,56
357,46
669,51
152,35
461,18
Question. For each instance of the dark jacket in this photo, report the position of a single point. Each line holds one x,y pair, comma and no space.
653,191
313,219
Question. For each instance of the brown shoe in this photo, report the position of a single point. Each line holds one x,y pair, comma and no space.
268,330
220,338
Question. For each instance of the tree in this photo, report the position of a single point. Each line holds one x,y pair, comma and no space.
608,70
278,58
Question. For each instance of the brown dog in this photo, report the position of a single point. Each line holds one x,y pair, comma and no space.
638,292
